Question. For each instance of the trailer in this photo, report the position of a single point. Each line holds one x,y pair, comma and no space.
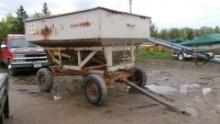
192,51
98,44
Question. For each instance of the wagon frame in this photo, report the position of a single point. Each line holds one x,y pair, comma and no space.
105,73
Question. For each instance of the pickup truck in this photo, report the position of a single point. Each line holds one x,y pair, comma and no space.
19,54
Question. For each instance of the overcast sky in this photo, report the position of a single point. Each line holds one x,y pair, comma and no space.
164,13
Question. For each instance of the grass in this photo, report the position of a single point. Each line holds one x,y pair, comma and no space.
143,54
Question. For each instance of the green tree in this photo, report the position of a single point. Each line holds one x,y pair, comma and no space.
154,31
196,33
21,16
8,26
3,29
45,10
164,34
174,33
11,22
189,33
217,29
36,15
205,30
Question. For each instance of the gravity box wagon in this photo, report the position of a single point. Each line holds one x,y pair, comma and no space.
98,44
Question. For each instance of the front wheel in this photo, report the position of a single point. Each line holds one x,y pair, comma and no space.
95,89
45,80
11,70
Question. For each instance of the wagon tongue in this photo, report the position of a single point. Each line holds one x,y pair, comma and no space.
157,98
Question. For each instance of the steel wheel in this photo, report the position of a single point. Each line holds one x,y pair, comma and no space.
95,89
92,90
139,78
44,78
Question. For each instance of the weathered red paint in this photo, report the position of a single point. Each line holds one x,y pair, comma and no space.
46,31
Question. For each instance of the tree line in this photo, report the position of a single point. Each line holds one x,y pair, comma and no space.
15,24
174,34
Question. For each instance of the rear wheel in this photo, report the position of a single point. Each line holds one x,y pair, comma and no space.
139,78
95,89
45,80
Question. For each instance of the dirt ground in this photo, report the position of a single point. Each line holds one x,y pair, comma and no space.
196,89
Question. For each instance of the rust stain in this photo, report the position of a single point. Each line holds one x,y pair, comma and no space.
46,31
81,24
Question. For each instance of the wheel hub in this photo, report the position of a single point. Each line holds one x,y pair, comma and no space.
42,79
92,90
9,66
181,57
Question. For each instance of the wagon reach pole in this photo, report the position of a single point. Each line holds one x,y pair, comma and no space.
156,98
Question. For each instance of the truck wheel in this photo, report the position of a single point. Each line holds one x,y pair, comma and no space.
180,56
11,70
139,78
95,89
45,80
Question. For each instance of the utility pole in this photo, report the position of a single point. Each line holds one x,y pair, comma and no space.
130,5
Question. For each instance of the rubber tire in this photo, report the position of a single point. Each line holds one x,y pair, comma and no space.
11,70
180,56
141,76
48,85
102,90
6,108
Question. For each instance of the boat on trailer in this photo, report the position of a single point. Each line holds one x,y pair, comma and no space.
206,43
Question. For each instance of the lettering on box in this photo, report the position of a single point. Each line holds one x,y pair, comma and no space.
31,28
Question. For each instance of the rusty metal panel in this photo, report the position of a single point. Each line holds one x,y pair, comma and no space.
69,27
123,26
95,27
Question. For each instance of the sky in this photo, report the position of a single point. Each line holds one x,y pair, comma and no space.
164,13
